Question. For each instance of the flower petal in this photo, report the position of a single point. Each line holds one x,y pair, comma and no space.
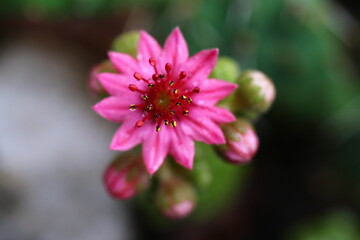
212,91
116,84
182,148
175,48
155,148
203,129
200,66
124,63
128,136
218,115
113,108
147,47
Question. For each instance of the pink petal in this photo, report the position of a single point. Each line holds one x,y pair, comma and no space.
213,90
113,108
117,84
148,47
124,63
200,66
175,48
155,149
218,115
182,148
128,136
203,129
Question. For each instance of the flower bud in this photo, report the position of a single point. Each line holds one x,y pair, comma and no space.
241,142
255,93
94,85
126,43
175,198
126,176
226,69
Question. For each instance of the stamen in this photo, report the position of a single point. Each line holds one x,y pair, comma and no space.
161,76
172,112
138,76
183,97
156,116
149,107
182,75
132,87
158,128
186,112
189,100
173,123
132,107
171,83
145,97
175,91
139,123
168,67
178,103
152,62
155,77
150,85
166,122
196,90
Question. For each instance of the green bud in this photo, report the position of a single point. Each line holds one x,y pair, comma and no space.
254,95
126,43
226,69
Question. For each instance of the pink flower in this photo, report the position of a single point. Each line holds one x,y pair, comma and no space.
164,100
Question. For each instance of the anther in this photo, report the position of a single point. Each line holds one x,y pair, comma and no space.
166,122
132,107
152,62
145,97
150,85
172,112
196,90
161,76
186,112
183,97
189,100
132,87
158,128
139,123
168,67
156,116
138,76
171,83
173,123
149,107
182,75
178,103
175,91
155,77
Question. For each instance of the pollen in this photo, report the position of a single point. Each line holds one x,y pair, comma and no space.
186,112
173,123
158,128
132,107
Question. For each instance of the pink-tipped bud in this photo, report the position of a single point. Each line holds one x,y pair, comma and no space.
175,198
94,85
241,142
126,176
255,94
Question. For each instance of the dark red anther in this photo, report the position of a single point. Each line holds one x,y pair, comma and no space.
196,90
139,123
168,67
182,75
138,76
132,87
152,62
155,77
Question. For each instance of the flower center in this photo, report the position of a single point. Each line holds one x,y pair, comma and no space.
166,98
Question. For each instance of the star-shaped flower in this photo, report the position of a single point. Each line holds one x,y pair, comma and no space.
164,100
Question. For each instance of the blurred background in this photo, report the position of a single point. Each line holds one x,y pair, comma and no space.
304,182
